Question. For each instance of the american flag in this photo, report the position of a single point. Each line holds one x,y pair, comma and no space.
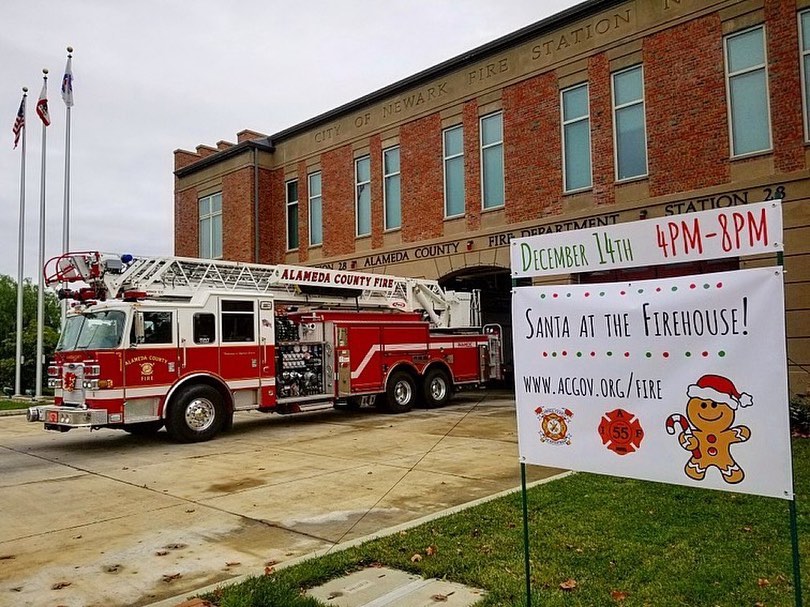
19,123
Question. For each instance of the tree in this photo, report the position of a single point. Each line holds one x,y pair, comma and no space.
8,330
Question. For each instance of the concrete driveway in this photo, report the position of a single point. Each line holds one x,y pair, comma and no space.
104,518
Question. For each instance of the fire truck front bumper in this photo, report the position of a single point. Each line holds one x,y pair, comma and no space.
65,418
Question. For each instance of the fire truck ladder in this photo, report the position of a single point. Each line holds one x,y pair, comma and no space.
110,276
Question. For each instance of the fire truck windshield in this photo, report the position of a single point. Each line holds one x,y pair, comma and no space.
92,331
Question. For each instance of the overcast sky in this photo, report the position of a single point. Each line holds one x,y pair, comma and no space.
156,75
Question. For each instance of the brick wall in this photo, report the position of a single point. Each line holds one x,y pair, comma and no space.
423,188
375,149
687,123
303,212
337,186
531,156
237,215
785,85
186,223
602,163
472,166
272,217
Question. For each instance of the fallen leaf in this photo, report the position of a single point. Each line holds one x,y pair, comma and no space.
568,584
416,558
759,604
161,553
174,546
112,568
7,557
439,598
270,563
190,510
60,585
430,550
268,570
763,582
747,529
618,595
232,563
170,577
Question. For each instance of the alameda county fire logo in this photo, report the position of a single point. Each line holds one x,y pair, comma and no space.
147,368
554,425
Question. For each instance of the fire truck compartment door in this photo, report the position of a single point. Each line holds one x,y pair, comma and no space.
267,341
359,359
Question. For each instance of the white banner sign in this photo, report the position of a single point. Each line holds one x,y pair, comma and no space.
729,232
678,380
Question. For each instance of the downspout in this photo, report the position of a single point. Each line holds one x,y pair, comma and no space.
256,252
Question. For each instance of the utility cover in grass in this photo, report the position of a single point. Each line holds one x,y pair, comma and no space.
380,586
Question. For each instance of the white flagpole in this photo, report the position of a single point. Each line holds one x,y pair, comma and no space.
41,290
66,207
20,261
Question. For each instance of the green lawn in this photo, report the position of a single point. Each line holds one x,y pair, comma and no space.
622,542
7,403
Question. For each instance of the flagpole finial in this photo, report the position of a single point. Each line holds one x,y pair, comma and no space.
25,89
70,49
45,71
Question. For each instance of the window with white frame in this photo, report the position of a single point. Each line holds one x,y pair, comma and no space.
210,209
629,128
804,41
747,84
315,209
362,195
392,197
453,171
576,134
492,186
292,214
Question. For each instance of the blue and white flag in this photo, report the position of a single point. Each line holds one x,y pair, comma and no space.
67,83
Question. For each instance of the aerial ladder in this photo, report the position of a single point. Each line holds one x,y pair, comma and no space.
113,276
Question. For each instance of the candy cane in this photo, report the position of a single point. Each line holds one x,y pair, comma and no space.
677,418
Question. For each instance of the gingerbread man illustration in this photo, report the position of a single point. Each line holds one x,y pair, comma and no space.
708,430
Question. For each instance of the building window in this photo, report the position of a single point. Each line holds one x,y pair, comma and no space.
747,83
238,324
630,133
492,191
454,171
211,226
391,190
315,209
292,214
362,195
576,134
804,36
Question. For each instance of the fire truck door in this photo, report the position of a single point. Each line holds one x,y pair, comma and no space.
267,352
239,355
151,366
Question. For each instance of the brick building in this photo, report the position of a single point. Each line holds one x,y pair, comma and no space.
608,112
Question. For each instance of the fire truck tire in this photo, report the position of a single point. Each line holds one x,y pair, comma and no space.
196,414
436,388
144,428
400,392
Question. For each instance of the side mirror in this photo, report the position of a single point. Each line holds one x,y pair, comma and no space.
137,322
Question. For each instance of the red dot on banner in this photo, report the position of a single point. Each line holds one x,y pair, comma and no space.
693,286
564,353
705,354
658,289
666,354
719,285
545,354
621,293
555,295
627,354
593,353
587,294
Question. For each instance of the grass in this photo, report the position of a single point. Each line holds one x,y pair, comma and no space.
7,404
622,542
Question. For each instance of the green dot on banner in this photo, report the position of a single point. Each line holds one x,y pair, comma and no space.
609,353
721,353
688,354
579,354
601,294
649,355
568,295
554,354
641,290
674,288
707,286
542,295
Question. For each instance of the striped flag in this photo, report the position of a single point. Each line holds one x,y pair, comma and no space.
42,104
19,123
67,83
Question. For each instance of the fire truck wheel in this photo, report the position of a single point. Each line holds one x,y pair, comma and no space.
144,428
437,388
196,414
400,392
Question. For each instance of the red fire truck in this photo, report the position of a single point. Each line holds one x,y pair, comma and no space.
184,343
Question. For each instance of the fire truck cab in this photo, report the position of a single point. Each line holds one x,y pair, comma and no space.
184,343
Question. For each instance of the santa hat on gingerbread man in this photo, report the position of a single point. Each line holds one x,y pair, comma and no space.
721,390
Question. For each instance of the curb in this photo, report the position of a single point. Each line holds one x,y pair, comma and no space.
7,412
180,598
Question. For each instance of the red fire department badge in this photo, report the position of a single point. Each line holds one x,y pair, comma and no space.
621,431
554,425
69,383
